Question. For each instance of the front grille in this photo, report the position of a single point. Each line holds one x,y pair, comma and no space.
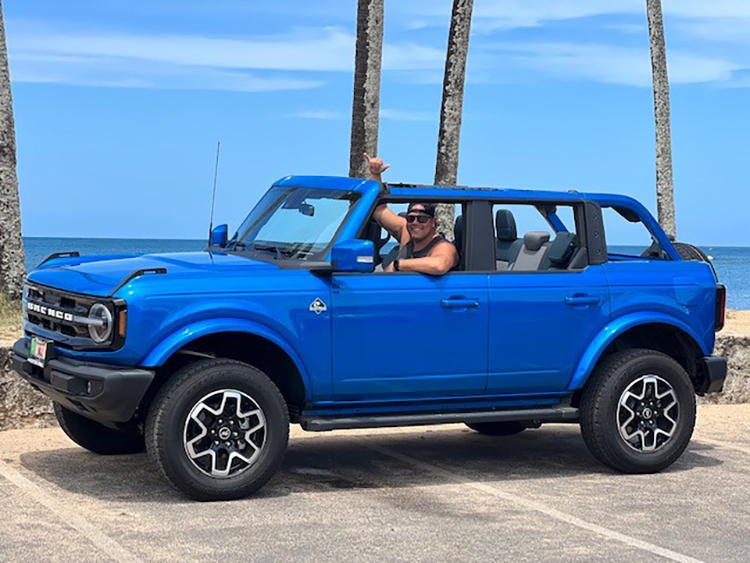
59,314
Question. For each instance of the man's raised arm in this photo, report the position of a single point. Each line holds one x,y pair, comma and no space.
386,218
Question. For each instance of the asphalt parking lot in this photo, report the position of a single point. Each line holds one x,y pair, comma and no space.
419,494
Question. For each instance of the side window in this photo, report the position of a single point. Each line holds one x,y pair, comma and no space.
537,237
627,236
387,248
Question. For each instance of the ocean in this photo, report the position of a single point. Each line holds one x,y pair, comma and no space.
732,263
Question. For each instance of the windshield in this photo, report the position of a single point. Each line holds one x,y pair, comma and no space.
295,223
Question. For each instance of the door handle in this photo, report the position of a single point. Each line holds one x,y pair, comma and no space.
459,303
580,299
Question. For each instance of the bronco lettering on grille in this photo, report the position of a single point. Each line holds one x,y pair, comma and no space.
49,312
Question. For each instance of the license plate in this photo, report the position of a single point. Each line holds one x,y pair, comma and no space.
39,351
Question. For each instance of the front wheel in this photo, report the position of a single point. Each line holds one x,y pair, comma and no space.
218,430
95,437
638,411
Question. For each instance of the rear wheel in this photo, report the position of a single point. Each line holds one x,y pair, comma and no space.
218,430
95,437
638,411
497,428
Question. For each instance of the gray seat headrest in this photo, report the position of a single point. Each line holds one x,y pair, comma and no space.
533,240
505,225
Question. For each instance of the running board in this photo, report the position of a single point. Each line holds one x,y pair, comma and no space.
313,423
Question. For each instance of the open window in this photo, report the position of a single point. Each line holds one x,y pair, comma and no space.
387,248
627,237
538,236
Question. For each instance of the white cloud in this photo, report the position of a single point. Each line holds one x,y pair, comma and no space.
112,72
509,14
324,49
720,30
615,65
41,52
319,114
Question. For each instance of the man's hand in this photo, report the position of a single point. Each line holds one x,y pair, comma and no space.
376,166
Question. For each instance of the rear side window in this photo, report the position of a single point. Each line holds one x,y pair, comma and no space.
627,236
537,237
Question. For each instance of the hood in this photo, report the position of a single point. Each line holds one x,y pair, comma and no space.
101,277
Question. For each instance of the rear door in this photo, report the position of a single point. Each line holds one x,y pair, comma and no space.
543,319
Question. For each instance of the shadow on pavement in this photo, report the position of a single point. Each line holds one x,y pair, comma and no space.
332,462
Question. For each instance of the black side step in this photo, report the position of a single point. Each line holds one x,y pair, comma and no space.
313,423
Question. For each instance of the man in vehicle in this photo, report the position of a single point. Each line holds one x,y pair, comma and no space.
423,249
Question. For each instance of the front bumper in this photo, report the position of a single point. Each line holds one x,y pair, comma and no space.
714,370
105,393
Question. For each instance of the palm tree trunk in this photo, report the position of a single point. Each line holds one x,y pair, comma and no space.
367,66
11,244
446,166
664,182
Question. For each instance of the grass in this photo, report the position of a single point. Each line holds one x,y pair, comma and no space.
10,319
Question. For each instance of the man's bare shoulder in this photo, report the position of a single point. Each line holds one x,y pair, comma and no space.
443,246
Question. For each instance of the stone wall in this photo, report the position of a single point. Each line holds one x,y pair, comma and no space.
737,386
22,406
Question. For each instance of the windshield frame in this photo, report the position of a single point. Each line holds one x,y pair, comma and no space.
279,258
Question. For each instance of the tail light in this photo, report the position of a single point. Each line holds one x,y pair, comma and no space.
721,306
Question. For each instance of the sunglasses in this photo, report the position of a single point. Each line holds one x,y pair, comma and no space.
421,218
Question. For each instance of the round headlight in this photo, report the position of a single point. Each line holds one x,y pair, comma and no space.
103,331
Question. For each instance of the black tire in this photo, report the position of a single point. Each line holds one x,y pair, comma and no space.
95,437
497,428
600,405
690,252
169,412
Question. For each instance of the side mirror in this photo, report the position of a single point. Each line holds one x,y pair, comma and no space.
354,256
219,235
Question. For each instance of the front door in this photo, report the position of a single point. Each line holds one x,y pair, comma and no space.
407,335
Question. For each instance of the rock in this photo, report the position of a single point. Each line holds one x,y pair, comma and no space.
21,406
736,348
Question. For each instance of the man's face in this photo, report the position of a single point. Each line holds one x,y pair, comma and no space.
420,224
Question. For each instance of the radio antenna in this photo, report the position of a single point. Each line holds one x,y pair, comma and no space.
213,195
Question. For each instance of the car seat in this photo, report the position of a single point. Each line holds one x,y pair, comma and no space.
507,244
533,252
560,251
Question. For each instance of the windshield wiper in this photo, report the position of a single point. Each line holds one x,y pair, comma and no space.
269,248
278,251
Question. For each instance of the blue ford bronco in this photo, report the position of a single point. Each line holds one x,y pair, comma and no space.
203,359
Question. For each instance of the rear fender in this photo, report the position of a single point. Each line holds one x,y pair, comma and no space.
614,329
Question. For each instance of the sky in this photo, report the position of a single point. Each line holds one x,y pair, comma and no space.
119,105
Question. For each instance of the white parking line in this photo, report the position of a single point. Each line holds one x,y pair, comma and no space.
105,544
538,507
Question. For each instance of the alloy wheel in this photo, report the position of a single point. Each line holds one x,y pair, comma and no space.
224,433
648,413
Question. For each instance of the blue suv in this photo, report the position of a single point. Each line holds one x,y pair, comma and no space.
203,359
